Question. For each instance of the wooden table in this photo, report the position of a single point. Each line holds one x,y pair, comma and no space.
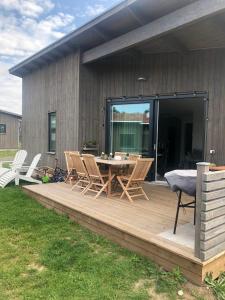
112,163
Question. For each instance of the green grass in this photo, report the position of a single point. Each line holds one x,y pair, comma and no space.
46,256
7,153
217,286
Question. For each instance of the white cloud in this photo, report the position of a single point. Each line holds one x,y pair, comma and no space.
27,26
94,10
11,90
32,8
21,35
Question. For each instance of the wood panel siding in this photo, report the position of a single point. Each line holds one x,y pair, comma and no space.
169,73
49,89
90,108
210,213
78,94
10,139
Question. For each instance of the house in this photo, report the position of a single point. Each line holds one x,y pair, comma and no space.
164,57
10,130
146,76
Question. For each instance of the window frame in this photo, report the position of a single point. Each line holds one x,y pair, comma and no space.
50,114
4,125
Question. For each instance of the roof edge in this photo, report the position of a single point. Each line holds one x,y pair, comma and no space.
115,9
10,113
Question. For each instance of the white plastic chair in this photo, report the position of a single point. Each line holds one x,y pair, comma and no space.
15,175
17,163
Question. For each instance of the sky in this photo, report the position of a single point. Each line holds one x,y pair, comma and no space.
26,26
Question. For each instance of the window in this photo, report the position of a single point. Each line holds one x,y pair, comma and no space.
2,128
130,127
52,132
127,141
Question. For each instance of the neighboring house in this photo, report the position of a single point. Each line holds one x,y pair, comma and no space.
166,58
10,130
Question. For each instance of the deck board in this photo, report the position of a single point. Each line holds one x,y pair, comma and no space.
154,216
133,225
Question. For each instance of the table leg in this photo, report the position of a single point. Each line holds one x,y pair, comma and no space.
110,182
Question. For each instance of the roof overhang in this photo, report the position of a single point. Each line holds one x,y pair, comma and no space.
10,113
125,17
141,26
177,20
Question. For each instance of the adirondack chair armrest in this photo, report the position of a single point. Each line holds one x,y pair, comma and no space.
22,169
25,169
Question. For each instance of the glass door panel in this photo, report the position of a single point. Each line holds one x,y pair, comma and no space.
131,127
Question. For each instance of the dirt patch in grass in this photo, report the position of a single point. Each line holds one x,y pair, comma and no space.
36,267
193,292
189,291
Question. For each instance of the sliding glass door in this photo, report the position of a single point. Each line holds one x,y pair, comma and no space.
130,127
165,127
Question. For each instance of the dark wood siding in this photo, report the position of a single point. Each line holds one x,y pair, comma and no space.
166,73
78,93
10,140
53,88
89,105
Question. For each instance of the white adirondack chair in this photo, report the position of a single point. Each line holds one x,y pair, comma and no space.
15,175
16,163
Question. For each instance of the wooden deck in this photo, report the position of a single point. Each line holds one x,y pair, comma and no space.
138,226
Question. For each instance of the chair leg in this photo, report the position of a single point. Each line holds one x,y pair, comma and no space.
122,186
68,176
145,195
87,188
128,196
75,185
102,189
177,213
125,192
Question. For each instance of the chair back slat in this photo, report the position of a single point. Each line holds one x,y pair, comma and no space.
33,165
141,169
77,163
134,157
91,166
69,163
19,159
67,159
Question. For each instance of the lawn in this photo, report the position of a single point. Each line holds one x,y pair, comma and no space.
46,256
7,153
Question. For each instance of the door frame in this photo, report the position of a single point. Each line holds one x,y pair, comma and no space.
131,100
154,99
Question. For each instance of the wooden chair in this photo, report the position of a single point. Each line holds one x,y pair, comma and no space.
97,179
82,175
131,183
133,157
69,165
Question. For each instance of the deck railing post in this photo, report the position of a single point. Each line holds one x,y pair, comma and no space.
202,167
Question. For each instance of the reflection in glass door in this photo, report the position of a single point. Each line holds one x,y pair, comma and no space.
131,127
